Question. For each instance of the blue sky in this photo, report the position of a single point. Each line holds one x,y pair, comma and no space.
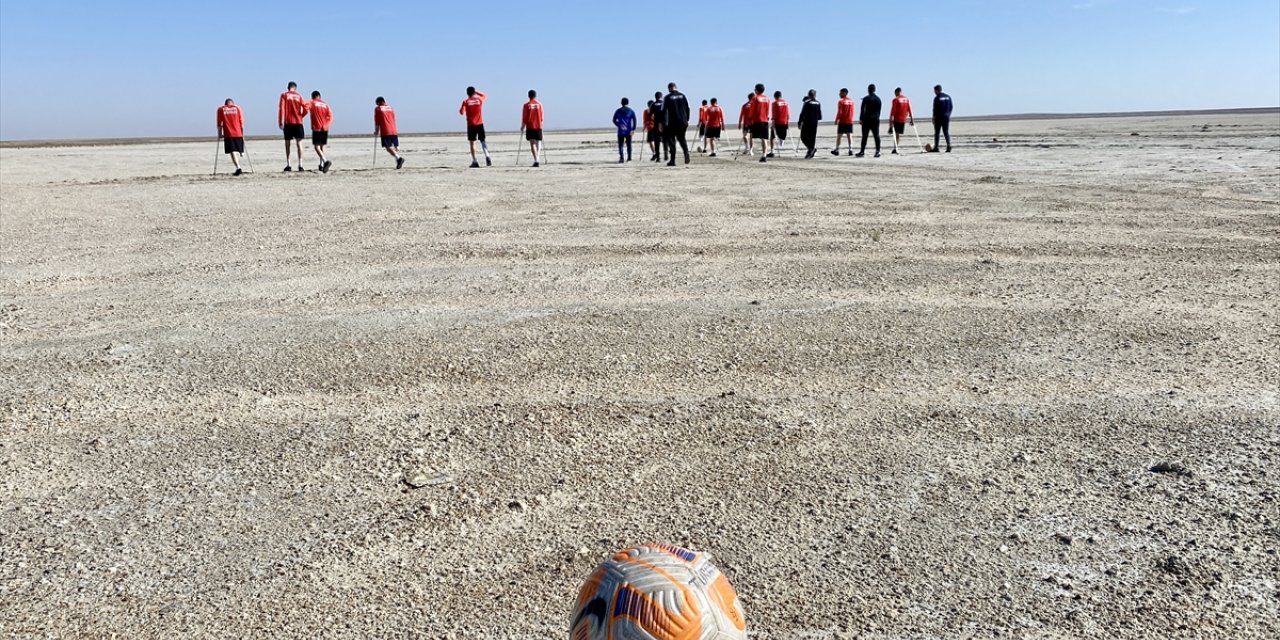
71,69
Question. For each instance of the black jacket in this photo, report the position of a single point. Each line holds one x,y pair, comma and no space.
942,107
810,113
675,110
870,109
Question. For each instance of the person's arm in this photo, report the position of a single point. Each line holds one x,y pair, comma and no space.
220,127
280,113
462,108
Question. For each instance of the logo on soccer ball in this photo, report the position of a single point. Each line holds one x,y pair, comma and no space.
657,592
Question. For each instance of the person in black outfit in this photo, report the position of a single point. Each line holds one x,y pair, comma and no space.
941,117
657,134
675,112
810,116
869,118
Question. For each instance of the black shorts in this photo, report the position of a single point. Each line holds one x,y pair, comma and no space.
780,130
713,133
652,135
475,132
842,129
702,129
390,142
233,145
760,130
899,127
294,132
532,134
319,138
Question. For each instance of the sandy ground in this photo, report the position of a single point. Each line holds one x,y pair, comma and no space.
919,396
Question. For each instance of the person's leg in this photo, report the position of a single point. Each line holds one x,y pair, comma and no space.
937,133
684,145
946,131
288,155
235,158
394,152
875,133
866,131
472,144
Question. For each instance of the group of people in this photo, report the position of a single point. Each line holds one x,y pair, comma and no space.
665,120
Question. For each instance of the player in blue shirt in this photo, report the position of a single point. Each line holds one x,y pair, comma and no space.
625,120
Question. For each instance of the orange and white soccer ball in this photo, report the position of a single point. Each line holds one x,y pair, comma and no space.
657,592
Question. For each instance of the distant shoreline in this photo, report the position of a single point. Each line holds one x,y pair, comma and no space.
102,142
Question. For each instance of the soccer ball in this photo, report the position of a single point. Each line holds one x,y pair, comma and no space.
657,592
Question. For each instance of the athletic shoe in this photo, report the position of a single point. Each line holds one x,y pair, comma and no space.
858,154
288,168
763,159
488,162
835,152
713,154
475,164
948,149
399,162
654,158
671,163
620,161
894,152
327,164
238,172
686,159
770,155
536,164
877,154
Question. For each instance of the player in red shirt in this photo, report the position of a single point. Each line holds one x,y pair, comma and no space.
899,115
293,108
781,116
473,109
702,126
231,130
760,114
715,124
384,125
744,124
531,125
321,118
651,130
844,121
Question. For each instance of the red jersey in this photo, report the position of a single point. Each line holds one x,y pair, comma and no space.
472,108
744,116
761,109
648,120
384,120
781,111
230,121
321,115
702,114
844,111
715,117
532,117
292,108
901,109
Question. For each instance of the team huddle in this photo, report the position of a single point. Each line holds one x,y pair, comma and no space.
665,120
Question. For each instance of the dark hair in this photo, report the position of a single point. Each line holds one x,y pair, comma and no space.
315,94
713,101
471,91
671,86
897,91
937,87
813,93
380,100
657,94
777,94
228,101
844,90
759,88
533,94
625,102
704,102
293,85
871,88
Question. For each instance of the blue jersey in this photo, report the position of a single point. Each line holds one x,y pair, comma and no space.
625,120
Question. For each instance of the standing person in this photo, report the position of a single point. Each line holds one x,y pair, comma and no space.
289,118
384,125
651,130
473,109
810,116
869,118
675,110
781,118
745,116
844,121
321,118
531,124
659,125
899,116
702,126
760,114
625,120
231,130
715,124
941,116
